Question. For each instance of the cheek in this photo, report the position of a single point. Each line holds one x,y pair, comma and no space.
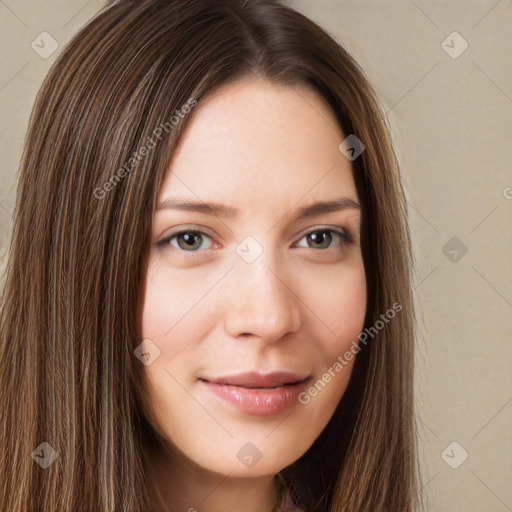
341,306
174,318
174,309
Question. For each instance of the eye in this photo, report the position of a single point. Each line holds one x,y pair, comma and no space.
188,241
323,238
192,241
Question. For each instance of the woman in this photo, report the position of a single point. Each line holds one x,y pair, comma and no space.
208,302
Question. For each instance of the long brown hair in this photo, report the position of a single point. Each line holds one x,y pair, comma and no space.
70,307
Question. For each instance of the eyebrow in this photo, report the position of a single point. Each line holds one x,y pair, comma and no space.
212,208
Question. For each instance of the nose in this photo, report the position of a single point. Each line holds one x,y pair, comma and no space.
261,304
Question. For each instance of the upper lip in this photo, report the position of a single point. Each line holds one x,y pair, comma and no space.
256,379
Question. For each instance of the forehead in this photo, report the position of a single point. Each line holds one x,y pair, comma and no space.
254,142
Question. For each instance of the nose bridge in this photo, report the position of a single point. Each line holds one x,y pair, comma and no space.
260,301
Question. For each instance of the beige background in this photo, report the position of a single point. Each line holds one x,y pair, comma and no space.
452,122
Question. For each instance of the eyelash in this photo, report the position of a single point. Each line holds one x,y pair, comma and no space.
341,233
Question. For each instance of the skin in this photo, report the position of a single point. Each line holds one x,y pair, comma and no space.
267,151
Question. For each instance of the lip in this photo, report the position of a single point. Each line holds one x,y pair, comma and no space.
260,394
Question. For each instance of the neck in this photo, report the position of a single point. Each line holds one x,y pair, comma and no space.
177,484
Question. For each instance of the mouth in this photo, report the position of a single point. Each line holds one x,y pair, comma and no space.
257,380
261,394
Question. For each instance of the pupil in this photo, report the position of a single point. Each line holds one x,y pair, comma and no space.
318,235
189,239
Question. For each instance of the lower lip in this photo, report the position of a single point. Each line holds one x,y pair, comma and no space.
259,402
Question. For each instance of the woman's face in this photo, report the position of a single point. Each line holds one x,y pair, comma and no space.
260,295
